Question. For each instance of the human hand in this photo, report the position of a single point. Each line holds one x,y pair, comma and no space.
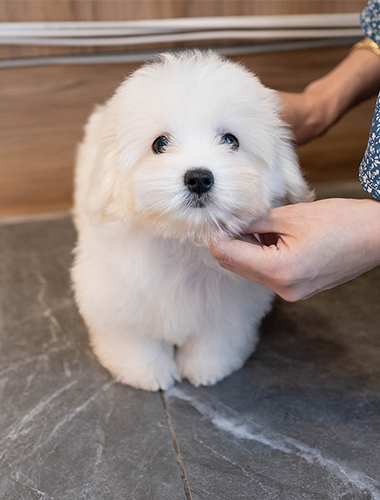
306,248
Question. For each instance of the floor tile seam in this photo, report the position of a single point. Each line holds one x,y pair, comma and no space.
176,448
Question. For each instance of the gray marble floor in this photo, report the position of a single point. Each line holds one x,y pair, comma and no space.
301,420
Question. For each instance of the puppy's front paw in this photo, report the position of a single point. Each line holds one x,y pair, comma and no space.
207,358
200,371
201,368
140,362
161,374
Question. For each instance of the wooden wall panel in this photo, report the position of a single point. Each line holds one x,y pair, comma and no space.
116,10
43,111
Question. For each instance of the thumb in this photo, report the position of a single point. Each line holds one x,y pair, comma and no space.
238,255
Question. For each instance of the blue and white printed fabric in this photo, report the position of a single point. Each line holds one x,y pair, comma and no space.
369,170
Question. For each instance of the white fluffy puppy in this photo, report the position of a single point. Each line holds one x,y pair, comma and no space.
189,148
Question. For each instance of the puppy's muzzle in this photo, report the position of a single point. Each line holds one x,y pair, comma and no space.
199,180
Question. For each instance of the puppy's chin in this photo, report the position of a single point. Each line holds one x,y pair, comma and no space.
199,223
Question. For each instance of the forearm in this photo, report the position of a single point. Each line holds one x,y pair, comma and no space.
370,237
355,79
325,100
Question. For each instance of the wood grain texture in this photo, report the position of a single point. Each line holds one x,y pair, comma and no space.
121,10
117,10
43,111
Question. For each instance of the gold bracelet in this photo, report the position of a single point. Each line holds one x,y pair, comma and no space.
367,44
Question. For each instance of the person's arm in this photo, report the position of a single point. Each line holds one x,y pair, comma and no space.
307,248
315,246
324,101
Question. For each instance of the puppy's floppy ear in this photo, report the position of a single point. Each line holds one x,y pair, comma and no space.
97,172
297,189
113,144
286,160
101,185
270,140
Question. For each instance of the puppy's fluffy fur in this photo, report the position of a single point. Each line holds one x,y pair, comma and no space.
157,305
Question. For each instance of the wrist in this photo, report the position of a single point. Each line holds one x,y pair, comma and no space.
306,113
355,79
371,230
324,105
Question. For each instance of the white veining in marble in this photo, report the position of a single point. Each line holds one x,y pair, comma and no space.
43,357
19,429
47,313
21,426
73,413
227,420
3,383
66,432
25,319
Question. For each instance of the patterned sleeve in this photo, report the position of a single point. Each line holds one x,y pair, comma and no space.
369,170
370,20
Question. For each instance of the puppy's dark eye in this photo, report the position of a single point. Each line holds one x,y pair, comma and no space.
159,144
231,140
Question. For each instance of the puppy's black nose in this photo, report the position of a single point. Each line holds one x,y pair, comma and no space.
199,180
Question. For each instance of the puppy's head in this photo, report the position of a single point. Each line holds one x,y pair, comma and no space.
194,148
